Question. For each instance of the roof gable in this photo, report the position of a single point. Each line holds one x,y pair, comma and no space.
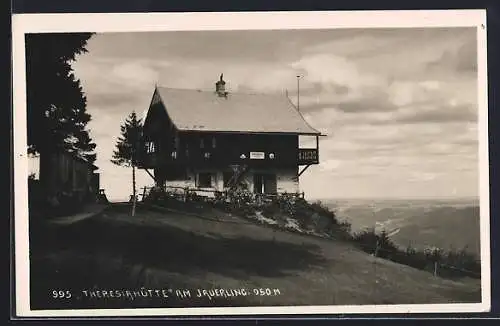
156,114
194,110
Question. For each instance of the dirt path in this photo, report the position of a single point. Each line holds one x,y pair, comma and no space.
88,212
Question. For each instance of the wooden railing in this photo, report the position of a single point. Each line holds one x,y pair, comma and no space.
308,156
210,157
184,193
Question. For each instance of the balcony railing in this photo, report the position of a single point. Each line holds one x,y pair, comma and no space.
308,156
305,156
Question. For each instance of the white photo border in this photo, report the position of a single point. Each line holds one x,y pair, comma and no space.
135,22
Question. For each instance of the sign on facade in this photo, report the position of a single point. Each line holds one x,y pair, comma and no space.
257,155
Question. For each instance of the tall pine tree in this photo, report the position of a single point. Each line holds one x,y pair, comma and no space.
56,103
129,147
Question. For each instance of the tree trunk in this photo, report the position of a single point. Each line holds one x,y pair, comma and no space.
134,197
133,181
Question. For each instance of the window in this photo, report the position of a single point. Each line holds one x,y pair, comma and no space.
176,141
202,143
150,147
214,142
204,180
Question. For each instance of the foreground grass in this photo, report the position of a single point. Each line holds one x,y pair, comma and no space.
168,251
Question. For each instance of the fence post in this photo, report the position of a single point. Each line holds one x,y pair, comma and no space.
134,201
376,249
435,268
374,264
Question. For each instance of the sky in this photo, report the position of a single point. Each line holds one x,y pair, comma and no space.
398,106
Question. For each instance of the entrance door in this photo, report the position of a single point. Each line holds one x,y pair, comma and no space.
270,184
265,183
258,183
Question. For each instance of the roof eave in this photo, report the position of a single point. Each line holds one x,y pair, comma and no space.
251,132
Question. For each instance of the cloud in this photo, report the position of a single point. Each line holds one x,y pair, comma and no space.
116,85
271,46
337,82
409,146
404,93
422,176
111,99
399,106
462,59
370,103
450,114
332,70
134,74
375,102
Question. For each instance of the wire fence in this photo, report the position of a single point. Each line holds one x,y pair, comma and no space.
429,260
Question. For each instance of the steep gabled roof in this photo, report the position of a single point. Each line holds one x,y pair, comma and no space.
73,153
195,110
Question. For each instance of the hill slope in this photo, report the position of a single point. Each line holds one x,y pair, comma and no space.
159,250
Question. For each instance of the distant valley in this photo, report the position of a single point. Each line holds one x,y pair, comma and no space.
448,224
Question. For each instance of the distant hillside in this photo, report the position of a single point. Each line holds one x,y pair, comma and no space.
446,224
445,227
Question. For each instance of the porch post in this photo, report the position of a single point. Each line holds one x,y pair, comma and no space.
317,148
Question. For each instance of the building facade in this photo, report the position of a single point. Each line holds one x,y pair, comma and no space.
68,172
218,140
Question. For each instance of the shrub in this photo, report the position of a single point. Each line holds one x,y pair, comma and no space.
270,210
378,244
345,228
450,264
319,208
460,262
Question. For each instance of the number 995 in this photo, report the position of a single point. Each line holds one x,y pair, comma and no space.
61,294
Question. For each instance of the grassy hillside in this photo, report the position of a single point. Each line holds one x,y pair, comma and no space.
161,250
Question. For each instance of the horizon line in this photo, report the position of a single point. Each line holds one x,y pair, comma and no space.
477,197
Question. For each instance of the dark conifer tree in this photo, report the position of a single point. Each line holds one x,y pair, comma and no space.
56,104
129,146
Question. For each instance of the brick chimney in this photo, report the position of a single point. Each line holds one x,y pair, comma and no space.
220,87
